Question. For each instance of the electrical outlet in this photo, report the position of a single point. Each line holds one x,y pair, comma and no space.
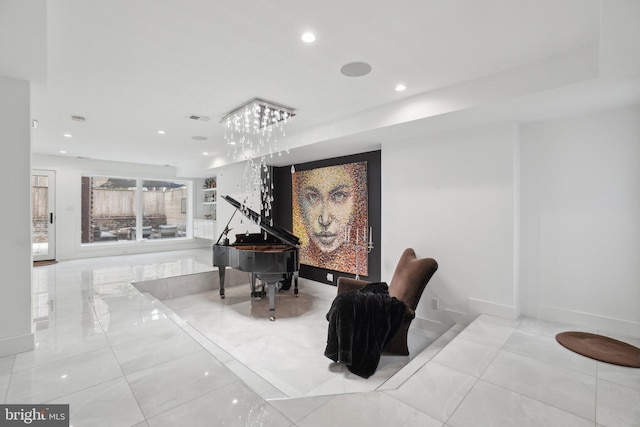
435,303
330,277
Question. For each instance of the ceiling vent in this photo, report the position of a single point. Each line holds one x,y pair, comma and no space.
198,118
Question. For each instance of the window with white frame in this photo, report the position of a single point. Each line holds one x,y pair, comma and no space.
129,209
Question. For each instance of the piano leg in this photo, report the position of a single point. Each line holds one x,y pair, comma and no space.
272,300
221,271
272,281
295,282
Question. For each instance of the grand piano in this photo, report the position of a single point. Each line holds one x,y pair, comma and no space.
271,256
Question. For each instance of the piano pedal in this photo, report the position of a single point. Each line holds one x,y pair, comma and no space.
260,292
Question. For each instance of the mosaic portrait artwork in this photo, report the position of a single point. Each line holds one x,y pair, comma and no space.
330,217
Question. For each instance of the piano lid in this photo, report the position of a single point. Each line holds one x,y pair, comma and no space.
274,229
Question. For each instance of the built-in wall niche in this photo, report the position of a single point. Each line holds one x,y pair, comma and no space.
210,198
204,222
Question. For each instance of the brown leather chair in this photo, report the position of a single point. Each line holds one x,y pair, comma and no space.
407,284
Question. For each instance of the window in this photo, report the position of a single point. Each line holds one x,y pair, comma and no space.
124,209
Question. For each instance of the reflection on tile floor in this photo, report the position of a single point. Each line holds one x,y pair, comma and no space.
287,353
120,358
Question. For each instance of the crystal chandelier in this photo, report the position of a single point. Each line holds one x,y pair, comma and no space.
252,133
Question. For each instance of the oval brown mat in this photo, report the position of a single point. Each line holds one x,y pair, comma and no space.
601,348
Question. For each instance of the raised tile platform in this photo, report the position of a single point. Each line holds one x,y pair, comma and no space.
281,359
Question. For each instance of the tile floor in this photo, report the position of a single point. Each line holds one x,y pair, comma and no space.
121,358
285,358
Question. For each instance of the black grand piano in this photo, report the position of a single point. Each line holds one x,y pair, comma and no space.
271,256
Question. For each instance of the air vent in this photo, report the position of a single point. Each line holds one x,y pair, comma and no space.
199,118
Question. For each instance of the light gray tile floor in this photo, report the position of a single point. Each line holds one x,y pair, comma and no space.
122,358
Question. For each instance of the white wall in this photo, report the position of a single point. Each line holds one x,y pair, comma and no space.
619,38
68,204
15,245
581,220
540,219
23,40
451,197
69,172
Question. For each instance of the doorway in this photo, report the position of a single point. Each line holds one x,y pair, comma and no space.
43,215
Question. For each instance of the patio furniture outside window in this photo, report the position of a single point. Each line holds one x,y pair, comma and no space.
114,209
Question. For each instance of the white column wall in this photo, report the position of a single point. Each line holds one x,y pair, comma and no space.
15,245
451,196
581,220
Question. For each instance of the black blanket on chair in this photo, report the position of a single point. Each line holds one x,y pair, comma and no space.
361,323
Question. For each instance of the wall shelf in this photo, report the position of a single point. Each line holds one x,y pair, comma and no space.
204,223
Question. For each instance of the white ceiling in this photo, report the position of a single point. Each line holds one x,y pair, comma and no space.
134,67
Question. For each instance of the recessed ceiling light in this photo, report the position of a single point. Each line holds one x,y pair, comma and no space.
400,87
63,152
205,154
308,37
232,143
162,132
67,135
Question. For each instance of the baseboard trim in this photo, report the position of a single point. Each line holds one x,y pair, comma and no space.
15,345
477,307
431,325
611,325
